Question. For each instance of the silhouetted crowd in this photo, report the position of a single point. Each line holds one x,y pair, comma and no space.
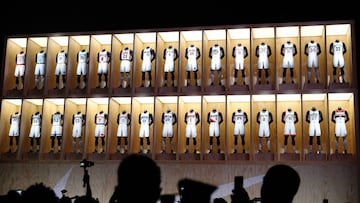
138,172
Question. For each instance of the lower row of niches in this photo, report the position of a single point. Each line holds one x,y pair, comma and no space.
250,127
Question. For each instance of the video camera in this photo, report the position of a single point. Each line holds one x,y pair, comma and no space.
85,163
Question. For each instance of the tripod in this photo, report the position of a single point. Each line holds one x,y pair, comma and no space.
86,182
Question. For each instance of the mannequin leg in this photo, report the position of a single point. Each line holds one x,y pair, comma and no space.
172,79
235,76
285,143
78,80
165,78
148,144
96,144
59,138
99,81
105,80
128,79
334,74
212,77
194,142
235,143
52,143
267,76
31,144
187,141
218,144
150,78
64,80
211,145
308,75
243,143
317,74
142,79
243,76
196,78
219,76
141,145
188,78
284,75
259,76
102,144
342,73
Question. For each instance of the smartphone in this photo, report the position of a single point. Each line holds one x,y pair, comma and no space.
238,182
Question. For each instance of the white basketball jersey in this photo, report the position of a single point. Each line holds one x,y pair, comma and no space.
263,51
239,117
314,116
289,49
340,116
338,48
289,117
61,57
20,58
214,117
56,119
215,53
78,119
125,55
147,54
312,49
123,119
191,118
264,117
145,118
168,118
15,119
169,54
36,119
103,56
100,119
82,57
239,52
191,53
40,57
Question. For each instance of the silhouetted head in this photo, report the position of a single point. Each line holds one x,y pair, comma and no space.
280,184
139,179
39,192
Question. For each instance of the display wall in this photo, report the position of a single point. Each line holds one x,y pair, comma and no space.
253,90
265,86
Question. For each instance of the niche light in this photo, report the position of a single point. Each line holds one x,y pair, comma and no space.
83,40
147,37
125,38
21,42
41,41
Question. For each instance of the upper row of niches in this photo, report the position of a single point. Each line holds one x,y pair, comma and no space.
206,71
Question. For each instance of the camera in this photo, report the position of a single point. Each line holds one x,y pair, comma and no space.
19,192
85,163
